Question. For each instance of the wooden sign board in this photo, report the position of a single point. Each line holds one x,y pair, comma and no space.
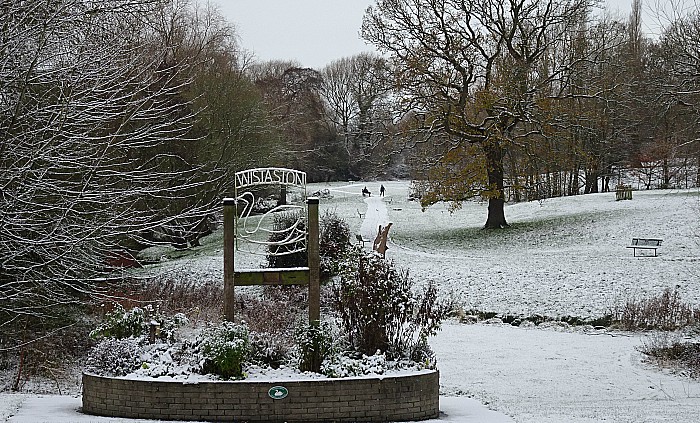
295,276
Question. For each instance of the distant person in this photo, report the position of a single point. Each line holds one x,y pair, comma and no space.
381,191
365,191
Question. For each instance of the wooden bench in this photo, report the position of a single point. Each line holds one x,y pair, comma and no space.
361,214
361,240
645,244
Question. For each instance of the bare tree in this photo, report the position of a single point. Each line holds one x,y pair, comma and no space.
357,91
89,105
473,71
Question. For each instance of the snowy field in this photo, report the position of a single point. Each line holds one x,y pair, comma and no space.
562,257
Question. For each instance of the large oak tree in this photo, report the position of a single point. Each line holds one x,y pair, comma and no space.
473,71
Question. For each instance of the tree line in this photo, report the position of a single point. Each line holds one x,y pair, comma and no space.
122,122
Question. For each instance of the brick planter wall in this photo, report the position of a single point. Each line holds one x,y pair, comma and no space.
379,399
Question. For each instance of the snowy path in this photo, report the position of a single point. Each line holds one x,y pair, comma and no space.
547,376
377,214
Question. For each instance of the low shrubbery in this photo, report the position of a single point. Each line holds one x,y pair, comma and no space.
224,349
120,323
117,357
379,309
665,312
374,322
673,350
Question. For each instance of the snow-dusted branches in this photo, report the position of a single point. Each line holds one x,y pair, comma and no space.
93,126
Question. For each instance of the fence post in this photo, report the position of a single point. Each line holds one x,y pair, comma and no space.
229,234
312,249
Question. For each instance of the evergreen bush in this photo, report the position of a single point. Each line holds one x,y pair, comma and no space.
285,256
224,349
334,242
315,343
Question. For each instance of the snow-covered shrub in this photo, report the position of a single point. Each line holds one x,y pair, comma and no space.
672,350
666,312
344,365
224,349
268,349
315,342
171,360
379,309
334,242
114,357
120,323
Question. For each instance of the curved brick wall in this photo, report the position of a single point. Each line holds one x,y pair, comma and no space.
380,399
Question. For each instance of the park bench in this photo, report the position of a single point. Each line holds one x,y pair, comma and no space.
361,214
645,244
361,240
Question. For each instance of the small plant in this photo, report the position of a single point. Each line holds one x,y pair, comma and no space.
120,323
114,357
224,349
315,342
669,350
268,349
350,365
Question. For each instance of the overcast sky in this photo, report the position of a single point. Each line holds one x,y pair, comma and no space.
312,32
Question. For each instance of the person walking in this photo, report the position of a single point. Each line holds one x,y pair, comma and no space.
381,191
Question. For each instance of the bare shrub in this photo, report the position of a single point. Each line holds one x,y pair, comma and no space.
665,312
669,350
272,317
198,300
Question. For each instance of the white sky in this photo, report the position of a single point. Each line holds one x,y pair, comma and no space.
316,32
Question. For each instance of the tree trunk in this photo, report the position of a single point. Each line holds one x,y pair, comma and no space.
494,167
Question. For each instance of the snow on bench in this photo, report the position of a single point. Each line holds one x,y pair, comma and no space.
645,244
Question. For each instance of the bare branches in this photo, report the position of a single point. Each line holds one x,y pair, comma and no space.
93,131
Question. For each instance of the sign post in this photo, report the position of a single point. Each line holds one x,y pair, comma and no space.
229,239
314,262
296,240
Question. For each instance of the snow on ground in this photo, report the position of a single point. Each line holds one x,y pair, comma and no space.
549,376
561,257
66,409
565,256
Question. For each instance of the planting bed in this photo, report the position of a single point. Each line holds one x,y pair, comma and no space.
372,399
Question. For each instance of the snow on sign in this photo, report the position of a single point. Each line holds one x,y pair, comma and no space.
278,392
270,176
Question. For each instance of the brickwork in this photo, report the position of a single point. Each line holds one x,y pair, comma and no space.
380,399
